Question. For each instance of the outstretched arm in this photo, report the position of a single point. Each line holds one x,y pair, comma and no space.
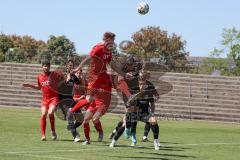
31,86
84,61
117,68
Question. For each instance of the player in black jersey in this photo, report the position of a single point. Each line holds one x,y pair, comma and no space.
131,65
146,108
65,92
133,114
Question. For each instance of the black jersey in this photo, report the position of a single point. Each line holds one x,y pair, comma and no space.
65,89
133,86
132,65
143,102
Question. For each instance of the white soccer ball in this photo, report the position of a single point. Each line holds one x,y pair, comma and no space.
143,8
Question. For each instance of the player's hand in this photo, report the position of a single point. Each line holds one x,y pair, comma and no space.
78,99
82,97
68,77
157,97
26,85
73,71
128,76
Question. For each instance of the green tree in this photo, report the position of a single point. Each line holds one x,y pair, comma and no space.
25,49
60,48
5,45
152,42
44,55
231,48
213,63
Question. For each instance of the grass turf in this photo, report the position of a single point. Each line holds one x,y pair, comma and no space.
20,140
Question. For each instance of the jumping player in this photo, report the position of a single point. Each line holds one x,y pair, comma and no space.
146,108
130,65
144,112
136,114
99,84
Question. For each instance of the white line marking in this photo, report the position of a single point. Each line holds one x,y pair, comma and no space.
80,150
199,144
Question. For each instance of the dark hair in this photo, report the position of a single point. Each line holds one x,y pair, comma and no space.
70,60
133,62
107,35
45,62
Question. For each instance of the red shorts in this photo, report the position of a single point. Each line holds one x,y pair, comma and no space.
101,102
49,102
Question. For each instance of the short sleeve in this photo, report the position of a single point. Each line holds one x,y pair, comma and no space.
96,51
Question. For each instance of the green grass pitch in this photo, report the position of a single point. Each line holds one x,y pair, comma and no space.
188,140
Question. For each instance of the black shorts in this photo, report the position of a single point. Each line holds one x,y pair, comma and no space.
143,116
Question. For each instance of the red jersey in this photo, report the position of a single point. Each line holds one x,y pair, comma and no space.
100,57
48,84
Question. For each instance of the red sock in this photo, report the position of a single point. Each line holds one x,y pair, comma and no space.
98,126
52,122
79,105
86,131
123,87
43,124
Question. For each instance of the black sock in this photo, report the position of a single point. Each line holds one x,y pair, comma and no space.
133,127
155,130
74,133
147,129
128,120
133,122
119,132
77,124
119,125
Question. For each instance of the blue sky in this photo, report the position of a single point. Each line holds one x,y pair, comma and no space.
199,22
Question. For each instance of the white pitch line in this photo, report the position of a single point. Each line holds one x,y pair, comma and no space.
170,145
199,144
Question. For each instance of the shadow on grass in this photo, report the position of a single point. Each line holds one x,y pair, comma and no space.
167,155
142,155
175,148
135,157
65,140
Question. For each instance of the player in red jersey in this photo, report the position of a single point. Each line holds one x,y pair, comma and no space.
47,83
80,93
99,84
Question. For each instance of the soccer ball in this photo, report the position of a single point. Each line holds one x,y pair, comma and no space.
143,8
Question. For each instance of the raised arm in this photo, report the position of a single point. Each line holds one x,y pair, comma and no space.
31,86
117,68
84,61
